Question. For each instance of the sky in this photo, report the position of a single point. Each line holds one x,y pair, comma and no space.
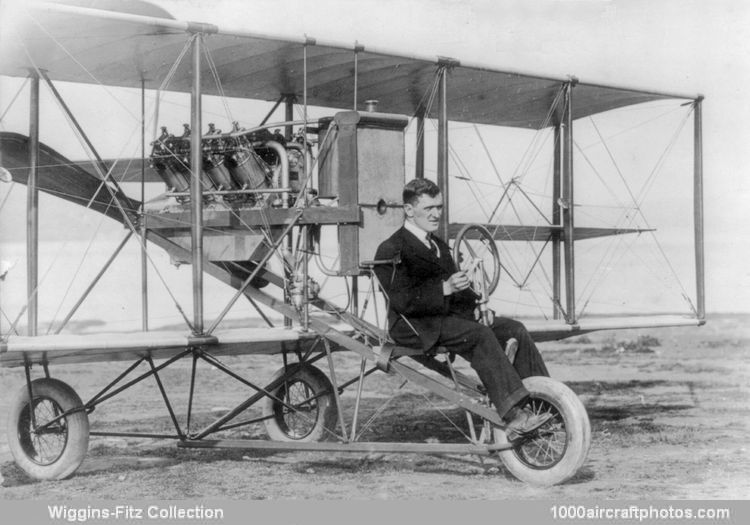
683,46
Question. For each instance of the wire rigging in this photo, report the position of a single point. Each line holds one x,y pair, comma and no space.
605,267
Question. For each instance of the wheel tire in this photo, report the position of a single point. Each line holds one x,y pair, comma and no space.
314,420
559,448
58,452
483,235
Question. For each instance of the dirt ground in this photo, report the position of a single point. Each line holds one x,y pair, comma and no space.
669,410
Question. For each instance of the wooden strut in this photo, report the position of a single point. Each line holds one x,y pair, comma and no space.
340,339
443,153
329,335
260,393
144,253
196,190
557,312
357,446
698,208
105,174
32,211
568,206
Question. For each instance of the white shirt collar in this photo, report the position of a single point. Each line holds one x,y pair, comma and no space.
418,232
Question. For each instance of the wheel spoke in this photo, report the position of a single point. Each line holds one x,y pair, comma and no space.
547,447
46,444
300,418
302,407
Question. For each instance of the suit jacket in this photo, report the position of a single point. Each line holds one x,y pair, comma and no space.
414,285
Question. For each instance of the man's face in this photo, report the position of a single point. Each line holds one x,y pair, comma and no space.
426,212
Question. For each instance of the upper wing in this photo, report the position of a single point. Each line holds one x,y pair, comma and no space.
134,42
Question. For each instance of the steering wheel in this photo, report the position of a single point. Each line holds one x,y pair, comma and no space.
475,252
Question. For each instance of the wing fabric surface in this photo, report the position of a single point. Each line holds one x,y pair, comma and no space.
122,50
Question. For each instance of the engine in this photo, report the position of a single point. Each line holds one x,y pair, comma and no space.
245,167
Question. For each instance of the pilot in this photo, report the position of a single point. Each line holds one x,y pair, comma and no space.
432,305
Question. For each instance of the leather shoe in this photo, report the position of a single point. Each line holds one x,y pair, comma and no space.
522,422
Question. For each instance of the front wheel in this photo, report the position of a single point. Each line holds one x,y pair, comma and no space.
303,407
558,449
48,446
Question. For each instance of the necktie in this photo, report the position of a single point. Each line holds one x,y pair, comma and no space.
433,246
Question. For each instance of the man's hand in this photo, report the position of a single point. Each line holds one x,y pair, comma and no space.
455,283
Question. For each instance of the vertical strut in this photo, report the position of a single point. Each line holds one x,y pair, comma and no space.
419,167
304,230
356,75
556,261
144,255
196,192
32,210
567,212
442,161
32,412
698,206
360,384
354,303
288,132
332,371
192,393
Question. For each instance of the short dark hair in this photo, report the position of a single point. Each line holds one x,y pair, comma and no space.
418,187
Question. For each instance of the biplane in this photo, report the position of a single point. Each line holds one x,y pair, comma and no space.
265,207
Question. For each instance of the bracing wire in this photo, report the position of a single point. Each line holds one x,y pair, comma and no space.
523,167
513,185
7,195
75,275
625,221
13,99
115,199
217,80
82,66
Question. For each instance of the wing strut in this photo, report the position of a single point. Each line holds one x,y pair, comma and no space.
442,160
196,190
144,248
32,209
698,206
567,205
557,310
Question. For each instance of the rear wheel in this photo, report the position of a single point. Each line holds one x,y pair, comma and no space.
558,449
55,448
303,407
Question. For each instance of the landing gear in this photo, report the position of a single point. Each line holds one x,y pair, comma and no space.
555,452
44,443
303,407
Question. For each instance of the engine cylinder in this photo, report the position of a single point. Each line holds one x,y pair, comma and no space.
246,168
215,170
174,179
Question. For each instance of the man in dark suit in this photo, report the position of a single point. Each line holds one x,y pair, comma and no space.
432,304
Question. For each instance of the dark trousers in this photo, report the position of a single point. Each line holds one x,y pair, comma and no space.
483,347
